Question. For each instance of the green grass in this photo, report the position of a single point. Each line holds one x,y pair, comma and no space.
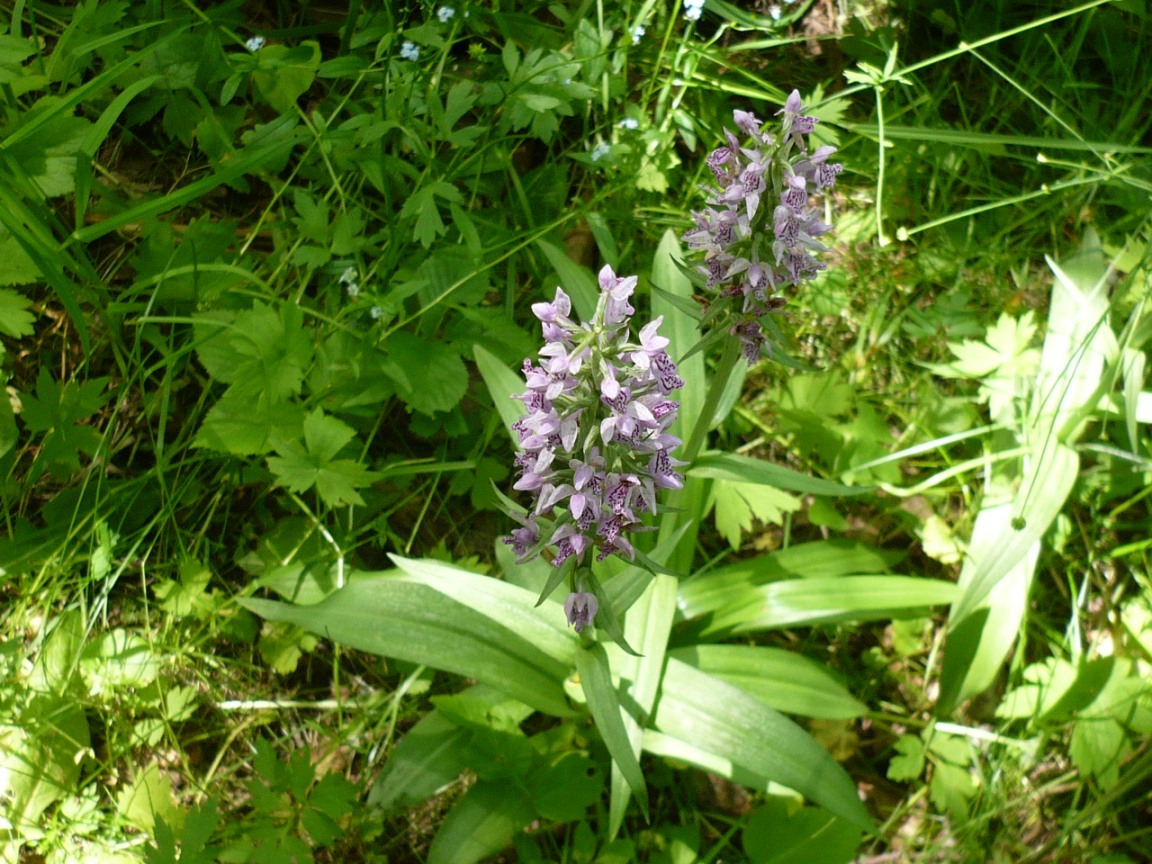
204,417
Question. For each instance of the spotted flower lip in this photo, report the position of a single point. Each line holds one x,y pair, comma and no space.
595,445
758,236
581,608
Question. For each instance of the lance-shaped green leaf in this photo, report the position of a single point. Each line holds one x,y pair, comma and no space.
1002,554
396,615
513,606
482,823
782,680
806,602
1078,342
502,383
997,572
707,592
688,504
432,754
648,624
604,703
577,281
718,727
742,469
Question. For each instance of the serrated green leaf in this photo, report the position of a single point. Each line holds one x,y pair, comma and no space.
738,505
282,645
14,320
565,789
908,764
148,799
19,268
285,73
259,351
325,436
422,204
238,426
951,788
48,155
57,411
432,754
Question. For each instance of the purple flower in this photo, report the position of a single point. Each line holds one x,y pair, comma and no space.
758,234
594,440
580,608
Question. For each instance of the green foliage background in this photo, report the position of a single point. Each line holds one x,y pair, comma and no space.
260,312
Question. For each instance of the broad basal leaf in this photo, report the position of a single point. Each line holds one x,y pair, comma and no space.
395,615
709,723
782,680
806,602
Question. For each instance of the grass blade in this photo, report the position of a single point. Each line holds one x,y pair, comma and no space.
743,469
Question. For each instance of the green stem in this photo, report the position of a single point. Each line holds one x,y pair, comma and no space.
724,369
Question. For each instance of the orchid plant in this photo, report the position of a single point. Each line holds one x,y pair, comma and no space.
595,445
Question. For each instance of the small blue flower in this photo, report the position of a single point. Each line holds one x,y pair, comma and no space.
693,9
599,151
629,123
410,51
255,43
376,312
445,14
638,33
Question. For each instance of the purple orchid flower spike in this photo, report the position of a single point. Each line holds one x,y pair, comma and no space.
595,445
758,235
596,399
